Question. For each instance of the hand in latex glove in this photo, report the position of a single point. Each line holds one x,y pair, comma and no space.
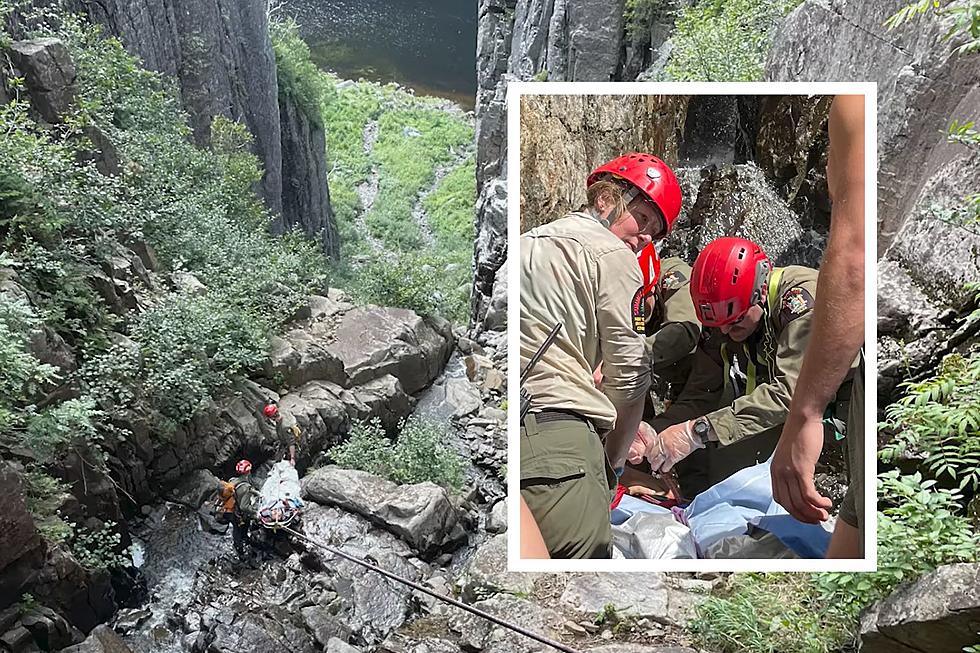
678,441
645,437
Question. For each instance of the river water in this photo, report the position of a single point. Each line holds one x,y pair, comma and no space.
426,45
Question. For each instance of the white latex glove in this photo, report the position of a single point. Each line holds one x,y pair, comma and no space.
678,442
645,435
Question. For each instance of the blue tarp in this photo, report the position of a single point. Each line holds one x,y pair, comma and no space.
737,506
744,500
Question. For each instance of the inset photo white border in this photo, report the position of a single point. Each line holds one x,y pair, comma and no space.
516,90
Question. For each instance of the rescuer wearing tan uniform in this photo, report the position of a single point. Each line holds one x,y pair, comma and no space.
581,271
745,369
673,331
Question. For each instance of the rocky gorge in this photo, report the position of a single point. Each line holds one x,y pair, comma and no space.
923,261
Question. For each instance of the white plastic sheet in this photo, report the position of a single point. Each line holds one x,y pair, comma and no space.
653,535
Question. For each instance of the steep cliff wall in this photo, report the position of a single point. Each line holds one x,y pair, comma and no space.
221,56
557,40
564,137
922,86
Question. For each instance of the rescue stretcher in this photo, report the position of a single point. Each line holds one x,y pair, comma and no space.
279,503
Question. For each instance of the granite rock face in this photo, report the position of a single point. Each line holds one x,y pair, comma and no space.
922,85
567,40
937,613
221,56
565,137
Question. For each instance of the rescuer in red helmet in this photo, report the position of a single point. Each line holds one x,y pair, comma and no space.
581,271
287,430
757,322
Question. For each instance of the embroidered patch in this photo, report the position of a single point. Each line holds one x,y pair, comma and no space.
638,311
796,302
673,280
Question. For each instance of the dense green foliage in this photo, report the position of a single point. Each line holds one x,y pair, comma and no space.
62,229
941,417
418,454
299,79
724,40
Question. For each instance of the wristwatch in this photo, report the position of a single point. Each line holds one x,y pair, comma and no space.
702,429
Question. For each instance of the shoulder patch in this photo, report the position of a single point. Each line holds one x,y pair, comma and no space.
638,308
673,280
795,302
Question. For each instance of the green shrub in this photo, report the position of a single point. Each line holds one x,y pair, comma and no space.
941,417
21,373
43,495
298,77
725,40
419,454
425,283
100,548
191,347
920,527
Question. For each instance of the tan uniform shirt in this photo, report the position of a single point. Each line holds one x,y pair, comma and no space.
575,271
775,351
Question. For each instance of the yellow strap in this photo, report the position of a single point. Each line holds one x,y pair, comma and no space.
774,278
750,383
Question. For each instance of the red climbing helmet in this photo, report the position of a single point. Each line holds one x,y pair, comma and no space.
271,410
650,267
243,467
652,177
730,275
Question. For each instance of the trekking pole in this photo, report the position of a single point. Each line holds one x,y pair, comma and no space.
445,599
525,396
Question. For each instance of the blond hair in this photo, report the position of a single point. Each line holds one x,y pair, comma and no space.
611,193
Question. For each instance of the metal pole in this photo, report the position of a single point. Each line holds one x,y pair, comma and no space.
445,599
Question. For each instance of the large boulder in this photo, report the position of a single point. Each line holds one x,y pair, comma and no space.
101,640
350,346
49,75
372,341
423,514
938,613
450,398
486,573
478,634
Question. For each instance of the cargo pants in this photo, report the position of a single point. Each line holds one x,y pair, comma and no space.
565,481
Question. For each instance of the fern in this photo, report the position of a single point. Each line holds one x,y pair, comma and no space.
940,419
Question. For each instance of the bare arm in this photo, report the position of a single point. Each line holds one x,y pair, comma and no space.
532,544
838,316
838,319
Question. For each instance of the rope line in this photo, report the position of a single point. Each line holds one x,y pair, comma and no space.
445,599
